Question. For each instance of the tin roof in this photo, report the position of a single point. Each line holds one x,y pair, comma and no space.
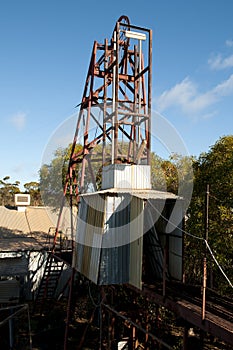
24,230
143,194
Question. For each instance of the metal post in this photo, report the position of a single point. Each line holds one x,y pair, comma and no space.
139,74
114,93
69,309
111,330
207,213
202,333
29,328
133,338
149,96
204,289
105,103
205,252
185,338
101,326
11,331
134,126
164,269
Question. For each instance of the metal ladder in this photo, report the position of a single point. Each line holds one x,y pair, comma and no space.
49,282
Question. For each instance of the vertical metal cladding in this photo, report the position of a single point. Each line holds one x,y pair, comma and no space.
162,233
9,291
136,239
127,176
152,240
89,236
175,241
109,239
114,267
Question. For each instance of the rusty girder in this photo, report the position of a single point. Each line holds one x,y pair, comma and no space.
115,107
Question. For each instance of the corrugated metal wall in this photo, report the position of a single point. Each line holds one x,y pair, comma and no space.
136,245
13,266
175,241
114,267
9,291
126,176
89,236
161,231
109,239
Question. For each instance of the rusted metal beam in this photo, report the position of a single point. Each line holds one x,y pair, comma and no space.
215,325
134,324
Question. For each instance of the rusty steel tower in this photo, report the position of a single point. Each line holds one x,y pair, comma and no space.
114,120
127,234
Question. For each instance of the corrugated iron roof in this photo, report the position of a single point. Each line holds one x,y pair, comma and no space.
23,230
13,220
143,194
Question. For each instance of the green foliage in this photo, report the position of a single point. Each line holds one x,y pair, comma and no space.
214,168
172,175
8,190
53,176
33,188
52,179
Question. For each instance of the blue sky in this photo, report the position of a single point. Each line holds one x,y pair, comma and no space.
45,52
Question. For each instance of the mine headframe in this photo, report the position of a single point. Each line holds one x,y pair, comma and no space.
114,119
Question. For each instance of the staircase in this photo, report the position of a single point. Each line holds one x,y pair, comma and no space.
47,291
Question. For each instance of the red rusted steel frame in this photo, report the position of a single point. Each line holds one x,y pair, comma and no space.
105,101
115,118
80,345
60,215
119,77
73,157
92,173
191,313
144,88
149,96
100,72
90,99
71,282
134,324
134,132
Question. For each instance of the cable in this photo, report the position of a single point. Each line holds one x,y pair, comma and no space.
217,263
201,239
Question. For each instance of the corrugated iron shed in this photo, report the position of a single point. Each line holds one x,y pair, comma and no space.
17,266
110,233
108,239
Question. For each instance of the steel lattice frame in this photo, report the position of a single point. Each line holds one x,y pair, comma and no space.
118,85
116,105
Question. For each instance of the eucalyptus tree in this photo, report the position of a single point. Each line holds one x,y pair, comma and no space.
214,168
